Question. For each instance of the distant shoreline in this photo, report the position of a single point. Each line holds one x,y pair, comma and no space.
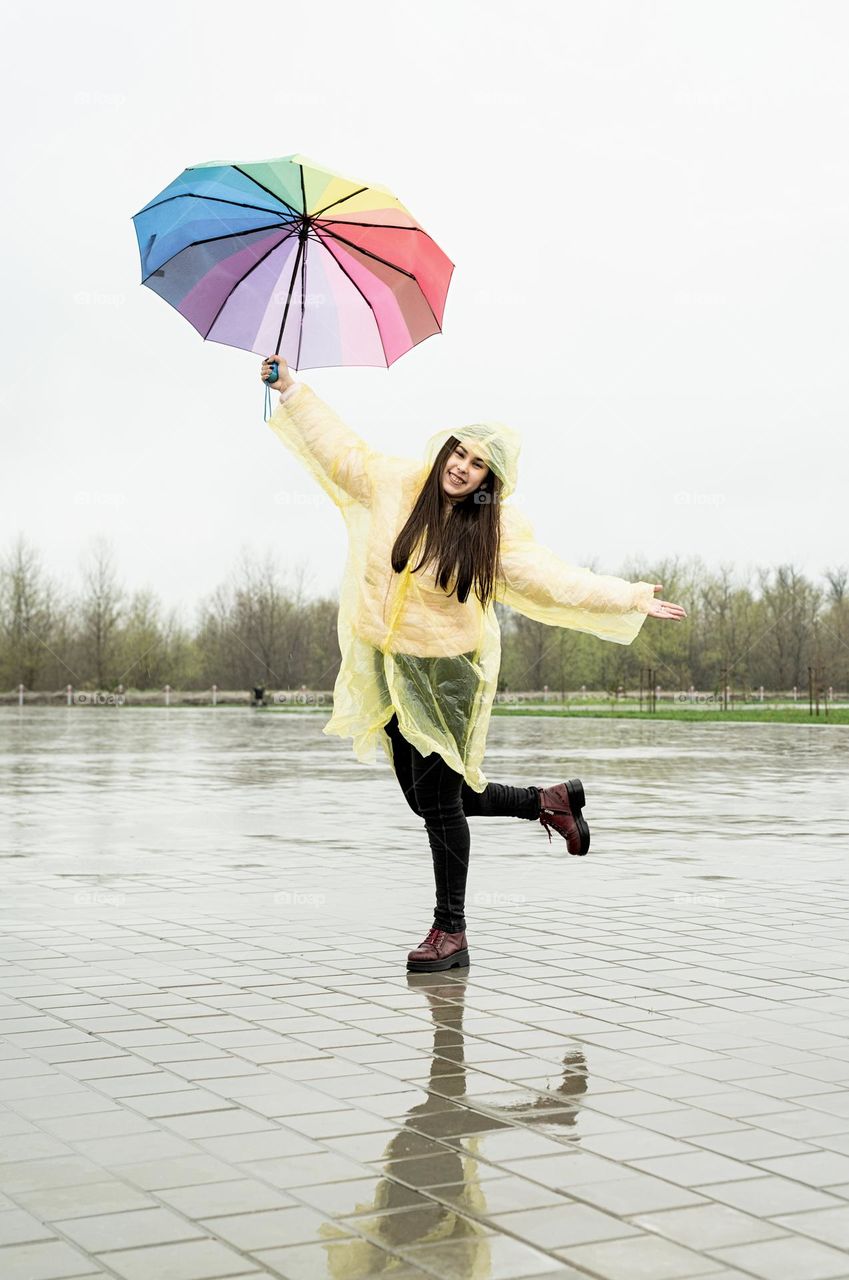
837,715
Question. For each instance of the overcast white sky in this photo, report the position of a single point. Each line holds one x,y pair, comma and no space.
648,209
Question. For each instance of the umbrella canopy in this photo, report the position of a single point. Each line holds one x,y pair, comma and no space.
283,255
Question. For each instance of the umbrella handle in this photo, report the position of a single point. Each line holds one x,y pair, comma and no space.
270,377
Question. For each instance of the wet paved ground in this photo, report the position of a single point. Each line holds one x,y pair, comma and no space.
214,1063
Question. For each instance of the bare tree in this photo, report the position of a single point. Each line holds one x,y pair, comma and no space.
791,605
834,629
28,606
153,649
837,580
729,625
100,611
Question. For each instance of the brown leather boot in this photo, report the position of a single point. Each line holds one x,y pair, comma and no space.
439,950
560,807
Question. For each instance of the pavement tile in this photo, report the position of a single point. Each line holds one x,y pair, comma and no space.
636,1193
768,1196
82,1200
328,1261
831,1226
789,1258
642,1257
48,1260
694,1169
191,1260
242,1195
560,1225
496,1257
19,1227
568,1170
708,1226
263,1229
817,1169
129,1229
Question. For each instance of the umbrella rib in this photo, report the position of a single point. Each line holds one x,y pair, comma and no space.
384,226
341,200
231,235
197,195
365,300
242,279
289,297
304,240
267,190
386,263
369,253
303,295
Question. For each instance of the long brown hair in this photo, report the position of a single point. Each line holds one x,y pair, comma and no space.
466,543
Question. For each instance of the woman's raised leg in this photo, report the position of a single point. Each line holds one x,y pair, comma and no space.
498,800
433,791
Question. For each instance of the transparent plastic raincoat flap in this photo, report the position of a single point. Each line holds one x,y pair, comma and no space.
407,645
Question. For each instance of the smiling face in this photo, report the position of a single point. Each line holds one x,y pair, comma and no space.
464,471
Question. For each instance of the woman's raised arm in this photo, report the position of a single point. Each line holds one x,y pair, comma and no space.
336,456
537,583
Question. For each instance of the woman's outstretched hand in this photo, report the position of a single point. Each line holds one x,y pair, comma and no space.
284,380
665,608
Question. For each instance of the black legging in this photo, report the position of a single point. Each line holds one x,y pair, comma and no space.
442,797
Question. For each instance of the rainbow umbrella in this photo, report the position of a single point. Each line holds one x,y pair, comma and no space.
283,255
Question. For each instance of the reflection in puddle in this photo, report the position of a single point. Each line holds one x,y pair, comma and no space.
453,1180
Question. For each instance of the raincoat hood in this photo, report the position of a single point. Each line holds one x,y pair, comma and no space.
497,443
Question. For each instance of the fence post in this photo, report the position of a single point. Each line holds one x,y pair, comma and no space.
215,695
168,695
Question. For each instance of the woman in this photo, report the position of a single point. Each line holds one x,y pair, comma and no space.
431,547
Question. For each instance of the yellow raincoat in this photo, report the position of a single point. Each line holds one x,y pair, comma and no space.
408,646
